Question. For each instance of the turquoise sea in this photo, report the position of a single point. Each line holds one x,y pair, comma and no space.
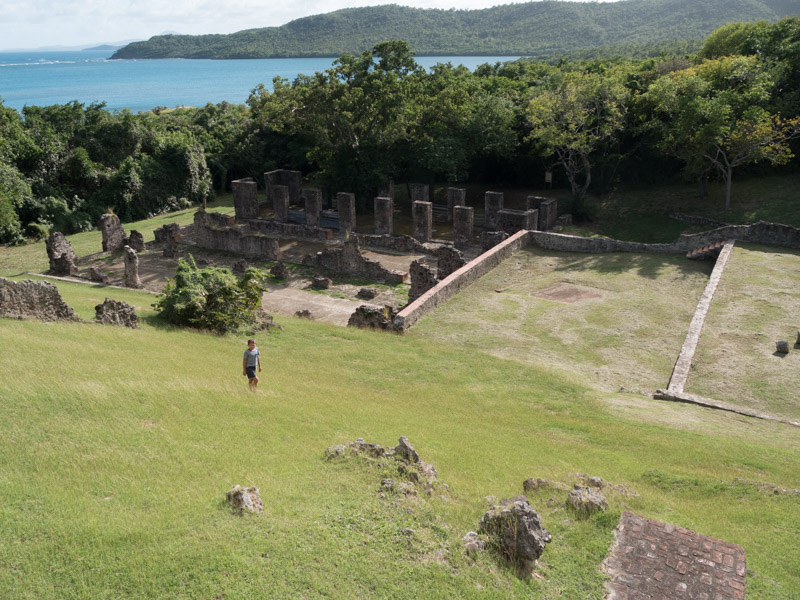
45,78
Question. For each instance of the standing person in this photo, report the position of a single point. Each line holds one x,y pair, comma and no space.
251,360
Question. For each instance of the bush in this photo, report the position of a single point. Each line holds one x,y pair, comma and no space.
210,298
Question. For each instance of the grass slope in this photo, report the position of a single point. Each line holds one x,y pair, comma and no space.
119,446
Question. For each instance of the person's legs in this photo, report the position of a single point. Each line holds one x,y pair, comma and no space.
254,384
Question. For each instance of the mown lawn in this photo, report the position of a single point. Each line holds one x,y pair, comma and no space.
119,445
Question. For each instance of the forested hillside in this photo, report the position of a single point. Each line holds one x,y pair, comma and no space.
539,29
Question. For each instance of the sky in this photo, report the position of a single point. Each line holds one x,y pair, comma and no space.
46,23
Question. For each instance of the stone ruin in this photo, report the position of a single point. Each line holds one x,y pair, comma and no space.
514,529
61,255
136,241
410,474
131,268
455,197
548,211
242,499
97,275
422,216
113,234
422,279
349,261
33,299
384,215
116,312
450,260
373,317
168,236
290,180
245,199
279,271
346,206
463,225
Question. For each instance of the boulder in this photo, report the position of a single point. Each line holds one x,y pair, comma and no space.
586,501
473,543
515,529
136,241
370,293
304,314
406,451
372,317
321,282
245,499
538,483
279,271
782,346
240,266
95,274
116,312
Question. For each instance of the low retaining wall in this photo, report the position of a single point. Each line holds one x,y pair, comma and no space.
455,282
576,243
681,370
239,239
290,230
396,243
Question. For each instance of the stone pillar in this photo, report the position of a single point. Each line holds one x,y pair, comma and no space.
245,199
455,197
531,219
136,241
422,215
291,179
131,268
384,209
113,234
548,213
313,198
419,192
387,190
280,203
61,255
493,204
463,225
346,205
532,202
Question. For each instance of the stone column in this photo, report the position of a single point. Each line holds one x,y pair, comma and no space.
313,206
455,197
131,268
61,255
463,225
245,199
387,190
532,202
531,219
422,215
493,204
280,203
384,209
419,192
346,205
291,179
548,212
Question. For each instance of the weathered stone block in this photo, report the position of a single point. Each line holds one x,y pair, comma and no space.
113,234
422,216
384,216
61,255
422,279
33,299
587,501
450,260
280,203
515,529
245,499
95,274
455,197
136,241
116,312
419,192
313,202
372,317
548,213
283,177
346,205
245,199
463,225
782,346
131,268
493,203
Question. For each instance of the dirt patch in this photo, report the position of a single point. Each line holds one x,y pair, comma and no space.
568,293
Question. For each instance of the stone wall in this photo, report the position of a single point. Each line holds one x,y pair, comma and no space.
290,230
349,261
395,243
455,282
422,279
33,299
239,239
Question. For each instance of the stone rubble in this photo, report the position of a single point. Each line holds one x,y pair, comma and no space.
116,312
244,499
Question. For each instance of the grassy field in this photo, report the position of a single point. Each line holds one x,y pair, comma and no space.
755,305
119,446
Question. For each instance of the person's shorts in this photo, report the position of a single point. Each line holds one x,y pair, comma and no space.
251,372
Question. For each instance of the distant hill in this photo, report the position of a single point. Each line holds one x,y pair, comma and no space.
540,29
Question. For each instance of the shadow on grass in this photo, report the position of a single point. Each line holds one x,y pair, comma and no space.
651,266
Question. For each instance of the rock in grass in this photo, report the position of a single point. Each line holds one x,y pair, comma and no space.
406,451
245,499
539,483
116,312
782,346
515,529
279,271
366,293
586,501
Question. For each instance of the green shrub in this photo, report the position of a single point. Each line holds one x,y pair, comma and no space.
210,298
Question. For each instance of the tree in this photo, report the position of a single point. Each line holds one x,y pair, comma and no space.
210,298
712,117
570,118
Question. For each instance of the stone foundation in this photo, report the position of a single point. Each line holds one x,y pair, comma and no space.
349,261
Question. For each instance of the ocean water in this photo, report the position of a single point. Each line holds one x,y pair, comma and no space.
45,78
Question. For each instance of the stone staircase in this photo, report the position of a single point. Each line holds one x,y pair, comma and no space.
711,251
